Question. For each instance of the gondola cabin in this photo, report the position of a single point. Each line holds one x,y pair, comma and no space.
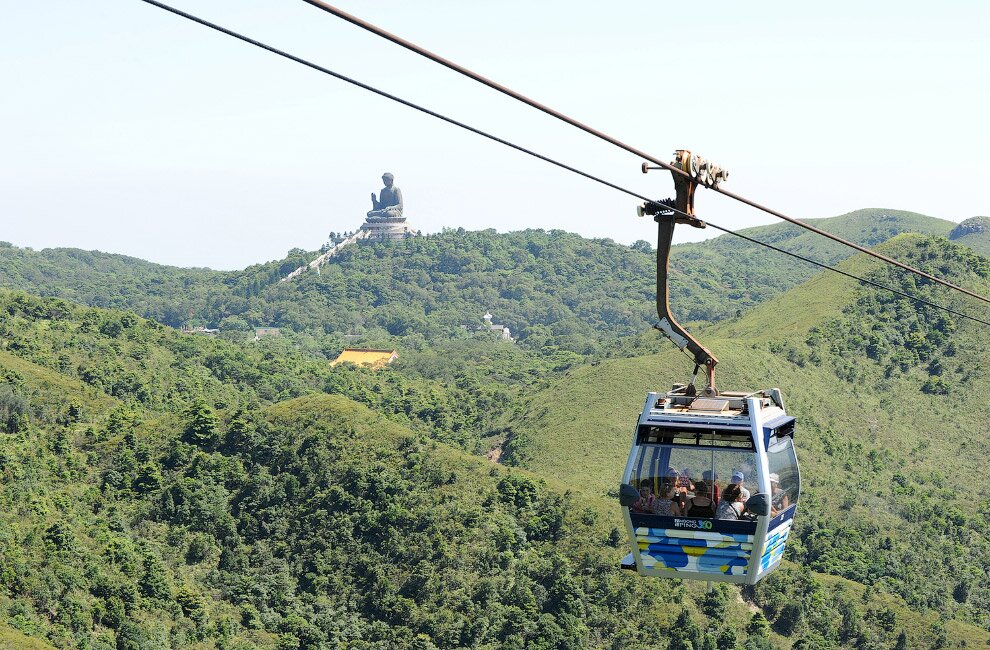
711,486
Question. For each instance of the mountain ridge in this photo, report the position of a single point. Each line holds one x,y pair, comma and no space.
549,287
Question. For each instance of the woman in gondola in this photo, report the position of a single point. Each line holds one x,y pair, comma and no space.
731,506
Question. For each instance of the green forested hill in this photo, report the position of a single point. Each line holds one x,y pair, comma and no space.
210,513
715,279
106,280
890,404
207,511
973,233
454,396
550,288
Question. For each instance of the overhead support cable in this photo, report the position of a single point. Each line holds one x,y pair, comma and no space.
871,283
539,156
378,31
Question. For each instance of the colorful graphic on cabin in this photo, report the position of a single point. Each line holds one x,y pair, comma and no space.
694,551
776,540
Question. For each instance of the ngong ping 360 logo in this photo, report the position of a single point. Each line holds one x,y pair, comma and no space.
697,524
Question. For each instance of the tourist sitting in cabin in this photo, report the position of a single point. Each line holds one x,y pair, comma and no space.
779,500
744,497
678,484
731,506
647,501
684,482
700,506
711,479
667,505
738,478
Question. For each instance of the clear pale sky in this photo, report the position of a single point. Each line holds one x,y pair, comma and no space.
127,129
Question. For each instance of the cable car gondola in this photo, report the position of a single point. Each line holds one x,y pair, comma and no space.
711,484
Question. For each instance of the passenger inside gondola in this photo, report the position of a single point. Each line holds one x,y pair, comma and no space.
779,500
647,501
666,505
711,479
731,506
684,482
671,481
739,478
744,495
700,505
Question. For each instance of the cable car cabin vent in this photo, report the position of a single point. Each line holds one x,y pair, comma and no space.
709,404
726,438
724,404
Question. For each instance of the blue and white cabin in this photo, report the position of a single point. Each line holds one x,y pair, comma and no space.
686,446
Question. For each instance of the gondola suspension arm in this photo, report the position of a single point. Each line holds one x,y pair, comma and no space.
667,214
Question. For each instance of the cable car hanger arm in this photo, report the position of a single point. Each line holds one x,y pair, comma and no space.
668,214
668,325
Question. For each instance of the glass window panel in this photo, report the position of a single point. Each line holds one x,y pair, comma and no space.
783,466
674,475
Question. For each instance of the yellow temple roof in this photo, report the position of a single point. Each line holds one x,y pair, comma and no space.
366,357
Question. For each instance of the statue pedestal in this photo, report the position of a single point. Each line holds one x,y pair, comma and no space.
387,228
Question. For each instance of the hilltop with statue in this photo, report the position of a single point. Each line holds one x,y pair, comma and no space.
385,221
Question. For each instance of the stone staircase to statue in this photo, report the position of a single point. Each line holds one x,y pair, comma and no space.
374,228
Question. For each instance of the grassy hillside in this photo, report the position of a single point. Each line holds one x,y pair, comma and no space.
14,640
754,351
783,339
716,279
889,401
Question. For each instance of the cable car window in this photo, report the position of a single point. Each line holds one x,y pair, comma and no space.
685,482
785,480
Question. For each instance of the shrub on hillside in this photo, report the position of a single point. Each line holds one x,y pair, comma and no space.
13,409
